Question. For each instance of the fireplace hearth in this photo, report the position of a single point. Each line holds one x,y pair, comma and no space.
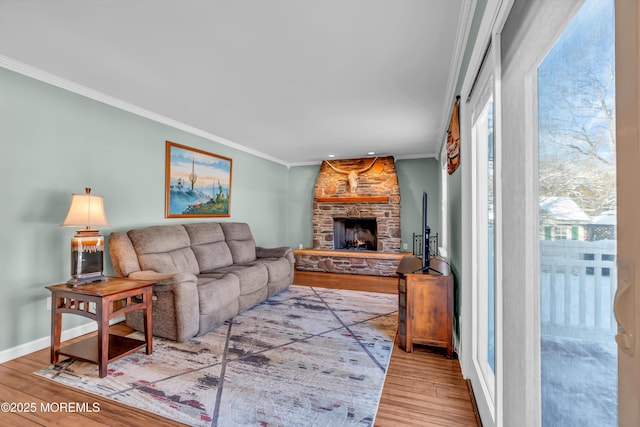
355,234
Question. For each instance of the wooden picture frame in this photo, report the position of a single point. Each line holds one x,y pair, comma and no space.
197,183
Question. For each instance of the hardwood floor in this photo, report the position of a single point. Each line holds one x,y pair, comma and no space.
18,385
422,388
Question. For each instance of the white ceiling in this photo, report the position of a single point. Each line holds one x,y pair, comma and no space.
290,80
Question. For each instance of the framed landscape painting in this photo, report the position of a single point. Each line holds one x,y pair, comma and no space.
197,184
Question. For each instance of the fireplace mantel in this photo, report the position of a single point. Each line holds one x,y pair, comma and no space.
353,199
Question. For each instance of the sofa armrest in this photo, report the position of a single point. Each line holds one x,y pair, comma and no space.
280,252
180,291
163,278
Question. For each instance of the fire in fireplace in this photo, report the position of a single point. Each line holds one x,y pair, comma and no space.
355,233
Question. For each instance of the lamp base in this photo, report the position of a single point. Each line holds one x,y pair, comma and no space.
87,258
86,279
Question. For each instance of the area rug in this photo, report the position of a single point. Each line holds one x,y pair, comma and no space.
305,357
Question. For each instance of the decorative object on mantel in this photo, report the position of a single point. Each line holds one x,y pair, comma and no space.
352,175
453,139
197,183
87,246
306,356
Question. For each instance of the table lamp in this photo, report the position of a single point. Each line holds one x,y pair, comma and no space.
87,246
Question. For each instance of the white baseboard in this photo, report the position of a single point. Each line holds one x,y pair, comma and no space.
45,342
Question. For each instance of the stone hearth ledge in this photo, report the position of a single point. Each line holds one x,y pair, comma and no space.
348,262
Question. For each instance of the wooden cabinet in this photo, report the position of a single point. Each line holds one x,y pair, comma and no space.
425,305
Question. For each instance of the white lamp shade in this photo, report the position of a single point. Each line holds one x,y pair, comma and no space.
85,211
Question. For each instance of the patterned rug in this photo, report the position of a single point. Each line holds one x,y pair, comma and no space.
305,357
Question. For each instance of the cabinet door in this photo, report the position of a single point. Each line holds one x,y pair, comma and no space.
430,311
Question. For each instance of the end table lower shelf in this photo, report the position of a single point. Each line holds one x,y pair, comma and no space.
87,349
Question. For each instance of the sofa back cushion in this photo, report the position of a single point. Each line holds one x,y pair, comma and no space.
123,256
164,248
209,246
240,240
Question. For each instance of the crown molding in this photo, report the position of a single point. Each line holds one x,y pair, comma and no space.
68,85
395,158
418,156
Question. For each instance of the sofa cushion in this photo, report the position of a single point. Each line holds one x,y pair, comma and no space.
209,246
278,268
240,240
247,301
252,277
204,232
212,256
178,261
214,294
165,249
159,238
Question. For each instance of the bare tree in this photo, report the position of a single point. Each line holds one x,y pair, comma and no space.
577,123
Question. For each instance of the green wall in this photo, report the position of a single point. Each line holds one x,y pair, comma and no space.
53,143
414,177
302,180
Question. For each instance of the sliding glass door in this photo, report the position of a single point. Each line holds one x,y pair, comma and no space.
566,173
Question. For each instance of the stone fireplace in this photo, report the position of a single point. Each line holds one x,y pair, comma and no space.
375,195
356,218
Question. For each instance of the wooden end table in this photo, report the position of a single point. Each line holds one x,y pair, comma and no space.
101,302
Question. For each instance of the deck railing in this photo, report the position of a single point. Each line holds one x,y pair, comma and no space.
578,283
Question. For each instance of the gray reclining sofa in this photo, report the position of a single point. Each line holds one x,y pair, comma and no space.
206,273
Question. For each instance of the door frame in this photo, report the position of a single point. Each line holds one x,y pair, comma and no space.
490,409
627,303
483,378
